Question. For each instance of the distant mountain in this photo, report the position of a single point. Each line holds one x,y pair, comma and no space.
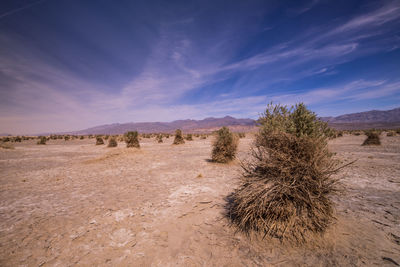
361,120
366,120
372,116
206,125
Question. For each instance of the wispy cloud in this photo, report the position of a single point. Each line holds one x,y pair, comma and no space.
189,61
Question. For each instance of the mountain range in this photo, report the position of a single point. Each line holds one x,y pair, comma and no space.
361,120
193,126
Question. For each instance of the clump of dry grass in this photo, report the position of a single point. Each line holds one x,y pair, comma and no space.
372,138
224,146
391,133
112,142
159,138
99,140
285,188
178,138
132,139
6,145
66,137
189,137
42,140
241,135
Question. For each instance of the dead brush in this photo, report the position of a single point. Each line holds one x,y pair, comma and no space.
391,133
159,138
6,145
178,138
285,188
189,137
99,140
132,139
224,146
42,140
112,142
372,138
285,191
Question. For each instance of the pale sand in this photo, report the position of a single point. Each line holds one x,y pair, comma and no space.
73,203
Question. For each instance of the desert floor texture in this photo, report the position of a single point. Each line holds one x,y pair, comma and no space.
71,203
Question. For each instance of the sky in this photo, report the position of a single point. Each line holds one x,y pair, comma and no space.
72,64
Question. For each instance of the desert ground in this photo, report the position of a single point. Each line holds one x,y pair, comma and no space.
72,203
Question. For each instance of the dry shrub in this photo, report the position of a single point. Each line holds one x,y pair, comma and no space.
391,133
241,135
66,137
159,138
224,146
42,140
178,138
372,138
112,142
99,140
6,145
82,137
189,137
285,188
132,139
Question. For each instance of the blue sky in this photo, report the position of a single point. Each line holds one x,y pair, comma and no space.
72,64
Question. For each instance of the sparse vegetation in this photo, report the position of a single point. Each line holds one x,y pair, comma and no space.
284,191
112,142
391,133
159,138
6,145
224,146
132,139
99,140
372,138
178,137
189,137
42,140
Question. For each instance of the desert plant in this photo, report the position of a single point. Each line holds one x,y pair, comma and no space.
82,137
224,146
178,138
132,140
112,142
284,191
42,140
391,133
372,138
18,139
66,137
99,140
189,137
6,145
159,138
241,135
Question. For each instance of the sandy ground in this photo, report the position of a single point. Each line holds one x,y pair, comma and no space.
73,203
